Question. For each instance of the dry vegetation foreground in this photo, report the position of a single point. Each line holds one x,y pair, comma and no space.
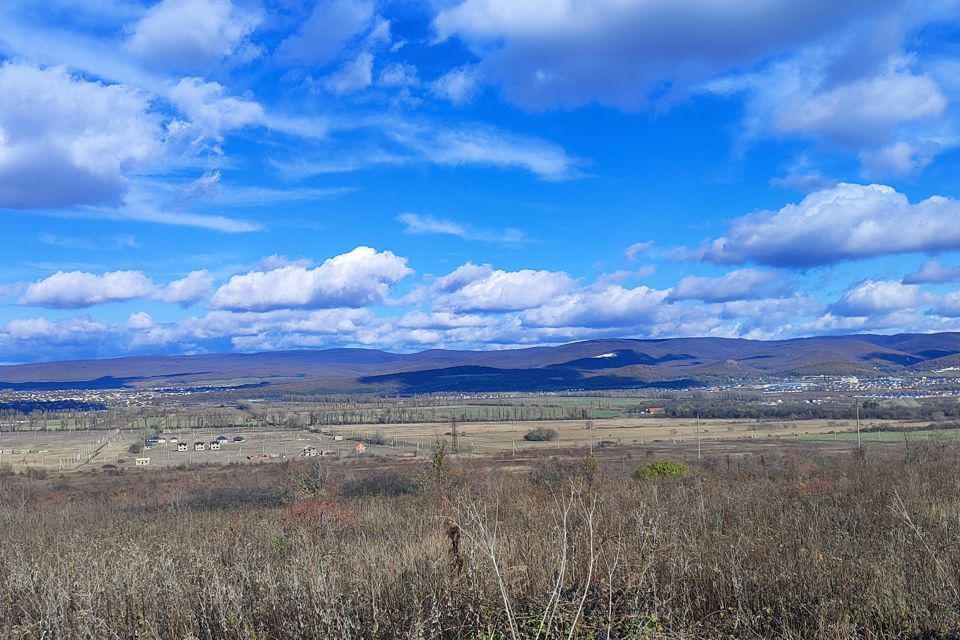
790,547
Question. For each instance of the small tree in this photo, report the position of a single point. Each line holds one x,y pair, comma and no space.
590,468
541,434
312,482
135,448
440,462
436,476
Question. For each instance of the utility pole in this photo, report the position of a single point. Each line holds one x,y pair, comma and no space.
455,437
699,456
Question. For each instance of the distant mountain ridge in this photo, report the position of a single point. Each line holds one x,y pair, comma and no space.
593,364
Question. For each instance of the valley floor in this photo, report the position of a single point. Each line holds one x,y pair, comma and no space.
78,450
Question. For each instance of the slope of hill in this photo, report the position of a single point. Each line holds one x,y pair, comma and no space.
592,364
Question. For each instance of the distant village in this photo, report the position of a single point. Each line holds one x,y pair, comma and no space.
887,387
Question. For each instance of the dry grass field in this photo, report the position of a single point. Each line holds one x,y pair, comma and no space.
492,437
79,450
799,542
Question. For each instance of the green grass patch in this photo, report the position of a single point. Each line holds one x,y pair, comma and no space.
665,468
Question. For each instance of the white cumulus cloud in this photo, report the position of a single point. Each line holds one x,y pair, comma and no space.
482,288
861,93
66,141
36,339
878,296
362,276
209,110
77,289
571,52
844,222
742,284
864,110
186,35
191,288
139,320
932,272
599,306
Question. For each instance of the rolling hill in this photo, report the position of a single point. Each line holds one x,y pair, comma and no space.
595,364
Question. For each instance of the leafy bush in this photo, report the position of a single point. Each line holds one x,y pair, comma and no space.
541,434
234,498
555,472
135,448
665,468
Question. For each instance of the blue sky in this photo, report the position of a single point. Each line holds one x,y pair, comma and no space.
190,176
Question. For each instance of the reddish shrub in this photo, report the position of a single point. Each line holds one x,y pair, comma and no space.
818,486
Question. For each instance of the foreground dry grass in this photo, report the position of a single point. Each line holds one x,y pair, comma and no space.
845,548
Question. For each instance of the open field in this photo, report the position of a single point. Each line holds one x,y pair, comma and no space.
492,437
76,450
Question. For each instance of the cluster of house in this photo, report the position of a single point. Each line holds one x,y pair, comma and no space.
216,444
200,445
311,451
